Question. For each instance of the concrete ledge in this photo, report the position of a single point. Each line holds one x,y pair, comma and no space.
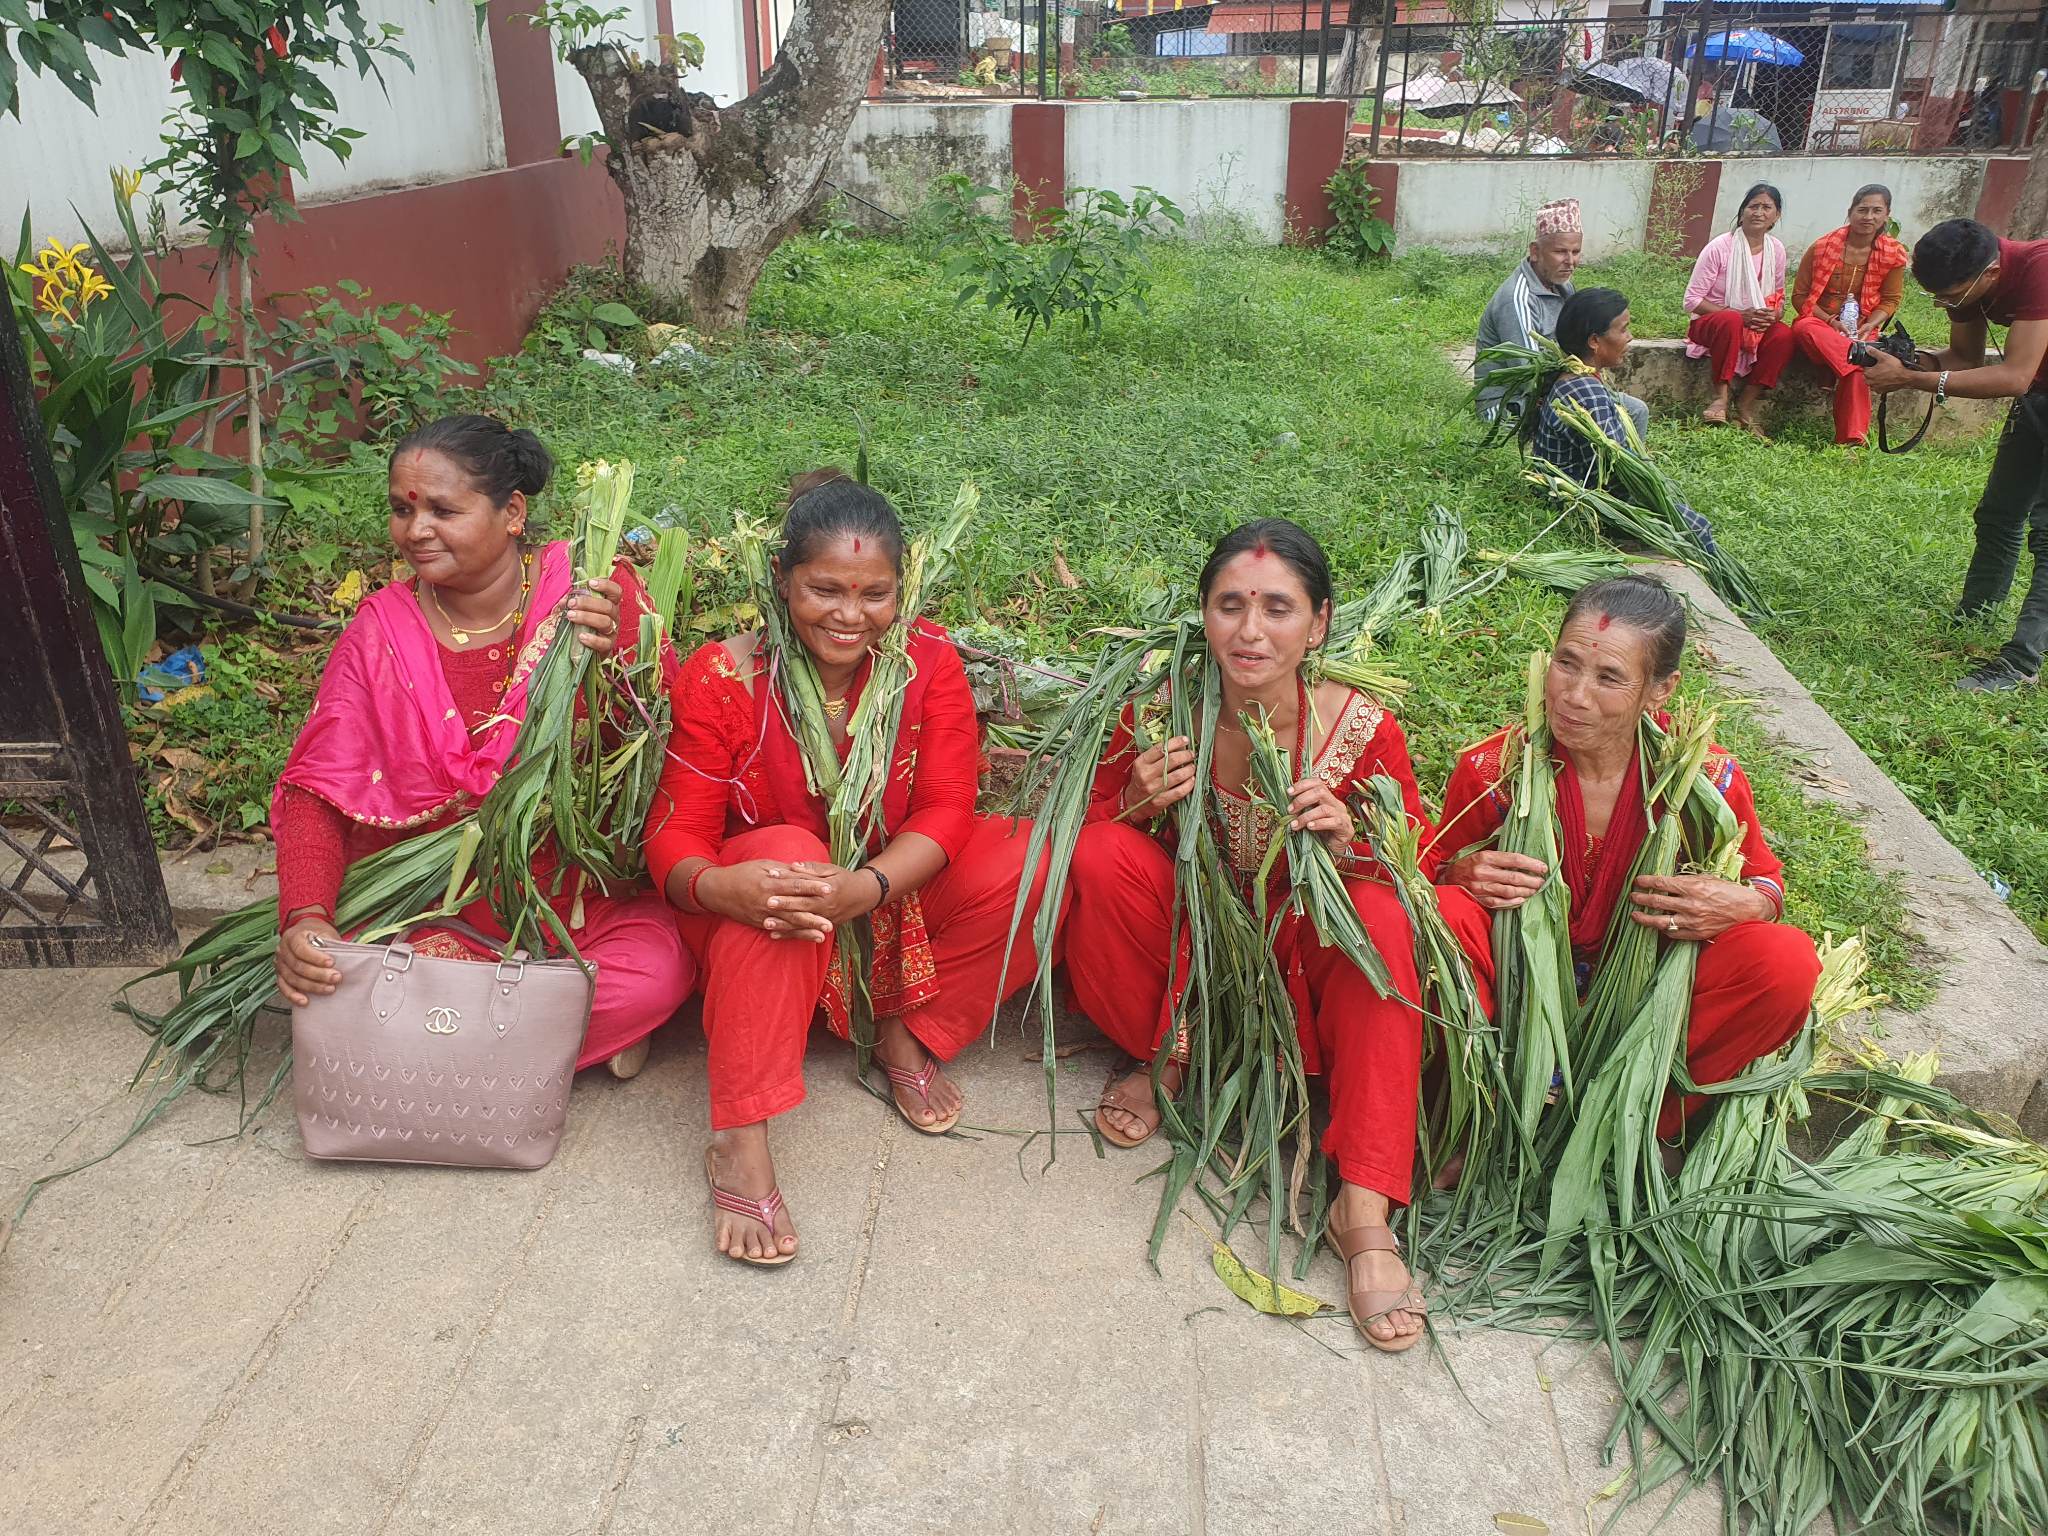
1986,1019
1660,373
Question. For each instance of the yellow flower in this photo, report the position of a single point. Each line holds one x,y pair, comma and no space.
126,183
61,278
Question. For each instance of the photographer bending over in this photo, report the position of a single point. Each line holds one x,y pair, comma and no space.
1982,280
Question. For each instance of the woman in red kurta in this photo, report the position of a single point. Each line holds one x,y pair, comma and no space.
740,845
1265,606
1857,263
1617,656
418,711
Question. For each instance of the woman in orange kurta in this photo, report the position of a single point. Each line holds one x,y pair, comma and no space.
1265,606
1617,656
739,844
1861,263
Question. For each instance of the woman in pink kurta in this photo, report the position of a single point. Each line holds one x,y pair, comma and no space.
1737,300
418,711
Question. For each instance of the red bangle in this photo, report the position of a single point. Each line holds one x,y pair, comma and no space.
690,890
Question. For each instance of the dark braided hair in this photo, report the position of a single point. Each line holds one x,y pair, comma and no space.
825,505
1290,541
1586,314
498,458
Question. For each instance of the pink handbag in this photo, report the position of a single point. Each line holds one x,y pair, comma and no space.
417,1059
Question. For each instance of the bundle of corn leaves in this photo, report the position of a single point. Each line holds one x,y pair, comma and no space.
583,780
1239,1127
852,787
1864,1331
1631,493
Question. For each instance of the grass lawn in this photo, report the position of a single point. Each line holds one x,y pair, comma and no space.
1262,383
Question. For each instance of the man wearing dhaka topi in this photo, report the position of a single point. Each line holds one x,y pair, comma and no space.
1527,304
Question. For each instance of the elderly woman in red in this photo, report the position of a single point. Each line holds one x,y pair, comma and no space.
1266,599
1617,657
739,844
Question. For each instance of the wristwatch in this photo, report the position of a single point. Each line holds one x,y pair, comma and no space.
1941,387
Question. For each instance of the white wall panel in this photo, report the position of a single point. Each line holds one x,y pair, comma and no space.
1221,161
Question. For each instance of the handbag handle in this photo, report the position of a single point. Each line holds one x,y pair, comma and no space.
387,993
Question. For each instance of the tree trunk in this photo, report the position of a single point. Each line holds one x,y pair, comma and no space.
2030,214
710,192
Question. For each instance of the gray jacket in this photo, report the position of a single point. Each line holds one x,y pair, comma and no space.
1522,308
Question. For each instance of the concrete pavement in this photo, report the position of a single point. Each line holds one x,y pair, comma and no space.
215,1335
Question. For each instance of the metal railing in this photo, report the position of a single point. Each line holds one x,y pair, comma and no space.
1454,77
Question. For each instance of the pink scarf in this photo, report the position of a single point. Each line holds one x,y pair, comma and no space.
385,744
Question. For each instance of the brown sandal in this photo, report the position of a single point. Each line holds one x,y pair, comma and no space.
1146,1112
1369,1306
762,1211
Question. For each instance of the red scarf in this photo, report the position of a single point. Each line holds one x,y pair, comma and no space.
1597,882
1886,257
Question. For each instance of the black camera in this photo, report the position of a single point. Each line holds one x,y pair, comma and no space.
1894,343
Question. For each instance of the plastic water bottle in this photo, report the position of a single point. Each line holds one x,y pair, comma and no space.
1851,313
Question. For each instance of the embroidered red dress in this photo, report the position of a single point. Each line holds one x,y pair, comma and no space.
1755,982
733,790
1825,279
1119,929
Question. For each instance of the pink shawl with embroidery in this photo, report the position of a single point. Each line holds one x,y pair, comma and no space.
385,744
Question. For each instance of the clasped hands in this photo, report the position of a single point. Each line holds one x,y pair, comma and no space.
1164,775
1697,907
802,899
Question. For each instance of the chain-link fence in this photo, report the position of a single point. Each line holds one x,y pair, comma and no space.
1733,79
1501,77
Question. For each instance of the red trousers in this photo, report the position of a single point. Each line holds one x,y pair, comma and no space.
1721,333
1369,1047
1750,995
761,993
1823,341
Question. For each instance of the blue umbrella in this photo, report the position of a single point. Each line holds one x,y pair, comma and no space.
1750,46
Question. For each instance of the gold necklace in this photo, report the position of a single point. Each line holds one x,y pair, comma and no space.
462,636
834,708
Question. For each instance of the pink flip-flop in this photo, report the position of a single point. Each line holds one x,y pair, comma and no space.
762,1211
919,1083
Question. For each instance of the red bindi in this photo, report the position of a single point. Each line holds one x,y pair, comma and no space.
412,495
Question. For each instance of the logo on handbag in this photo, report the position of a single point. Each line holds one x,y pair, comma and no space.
441,1021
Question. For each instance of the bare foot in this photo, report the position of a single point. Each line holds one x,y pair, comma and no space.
1748,411
1453,1170
1716,413
741,1165
899,1048
1115,1117
1377,1269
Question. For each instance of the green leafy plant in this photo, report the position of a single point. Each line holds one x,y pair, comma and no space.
1086,259
1357,233
578,26
349,368
118,381
578,318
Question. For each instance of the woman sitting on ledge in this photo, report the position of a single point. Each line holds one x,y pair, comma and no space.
1736,298
1593,333
1617,658
1849,284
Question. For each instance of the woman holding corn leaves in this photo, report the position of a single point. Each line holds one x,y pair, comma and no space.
1266,608
1616,662
419,708
741,838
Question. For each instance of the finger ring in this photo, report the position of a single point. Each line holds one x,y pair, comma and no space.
1671,924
